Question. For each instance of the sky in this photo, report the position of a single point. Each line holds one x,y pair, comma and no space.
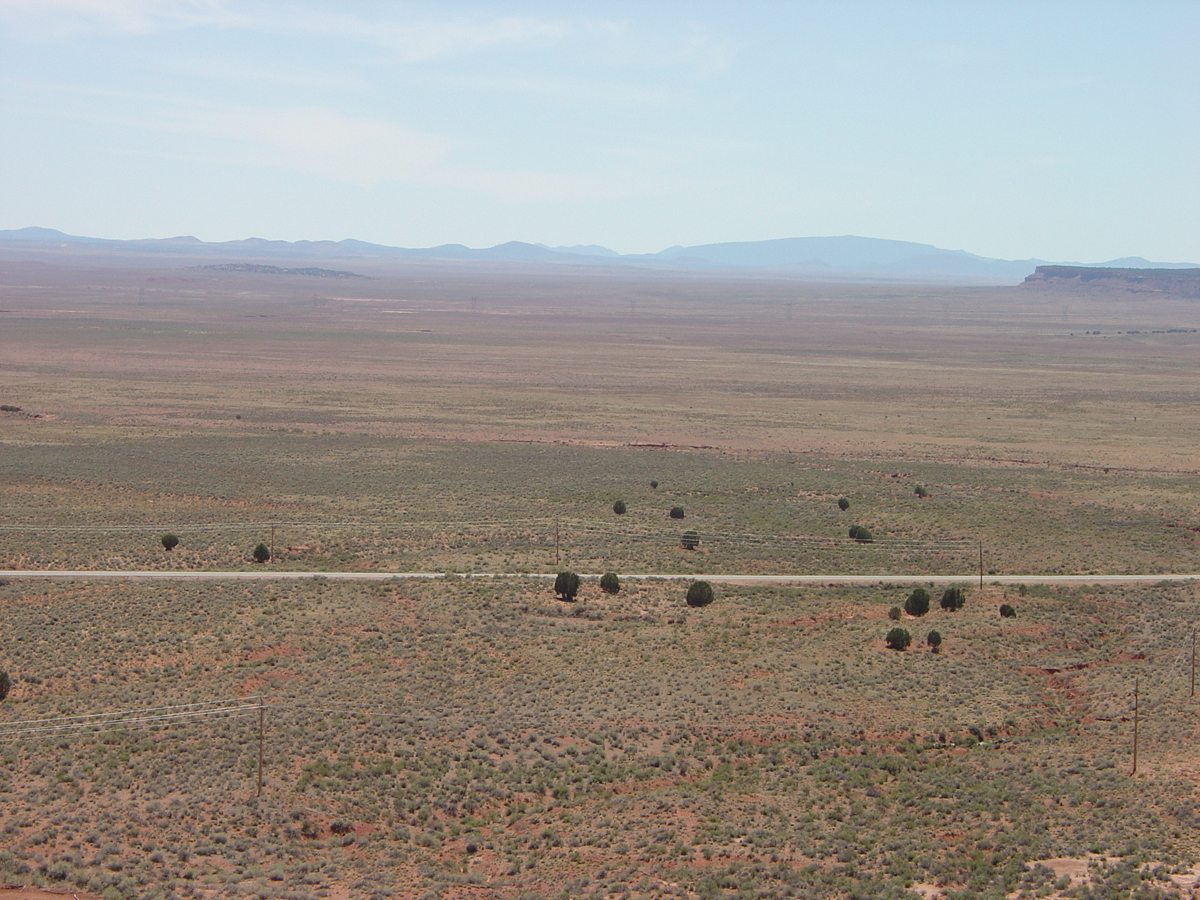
1053,130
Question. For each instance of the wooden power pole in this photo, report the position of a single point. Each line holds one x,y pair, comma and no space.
1135,725
260,744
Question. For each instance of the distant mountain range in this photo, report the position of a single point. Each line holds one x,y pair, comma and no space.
845,258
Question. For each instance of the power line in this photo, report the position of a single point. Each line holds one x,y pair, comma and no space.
149,709
228,709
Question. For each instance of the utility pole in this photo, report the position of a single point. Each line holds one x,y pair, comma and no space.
260,745
1135,725
981,564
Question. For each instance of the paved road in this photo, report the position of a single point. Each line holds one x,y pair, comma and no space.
276,574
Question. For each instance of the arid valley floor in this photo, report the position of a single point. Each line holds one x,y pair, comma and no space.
478,738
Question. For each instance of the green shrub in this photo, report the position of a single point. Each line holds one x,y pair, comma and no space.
894,614
261,553
5,684
953,598
566,586
917,603
610,583
921,491
654,485
169,542
861,534
843,504
676,512
1006,611
934,640
619,507
700,594
690,540
898,639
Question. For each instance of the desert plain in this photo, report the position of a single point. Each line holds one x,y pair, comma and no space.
473,736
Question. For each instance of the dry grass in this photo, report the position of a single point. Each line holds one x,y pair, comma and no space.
480,739
767,743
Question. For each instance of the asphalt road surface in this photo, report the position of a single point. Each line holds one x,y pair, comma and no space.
267,574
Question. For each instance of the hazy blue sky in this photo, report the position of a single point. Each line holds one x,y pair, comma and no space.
1067,131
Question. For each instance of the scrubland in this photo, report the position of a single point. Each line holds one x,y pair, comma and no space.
476,737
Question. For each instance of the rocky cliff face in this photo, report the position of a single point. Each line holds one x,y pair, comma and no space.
1173,282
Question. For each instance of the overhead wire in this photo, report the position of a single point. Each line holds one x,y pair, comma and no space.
223,709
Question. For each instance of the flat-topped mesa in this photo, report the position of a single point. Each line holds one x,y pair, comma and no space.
1175,282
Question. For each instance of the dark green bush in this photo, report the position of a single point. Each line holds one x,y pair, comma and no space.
690,540
843,504
5,684
934,640
676,512
700,594
894,614
261,553
898,639
861,534
917,603
953,598
169,542
566,586
1006,611
921,491
610,583
619,507
654,485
